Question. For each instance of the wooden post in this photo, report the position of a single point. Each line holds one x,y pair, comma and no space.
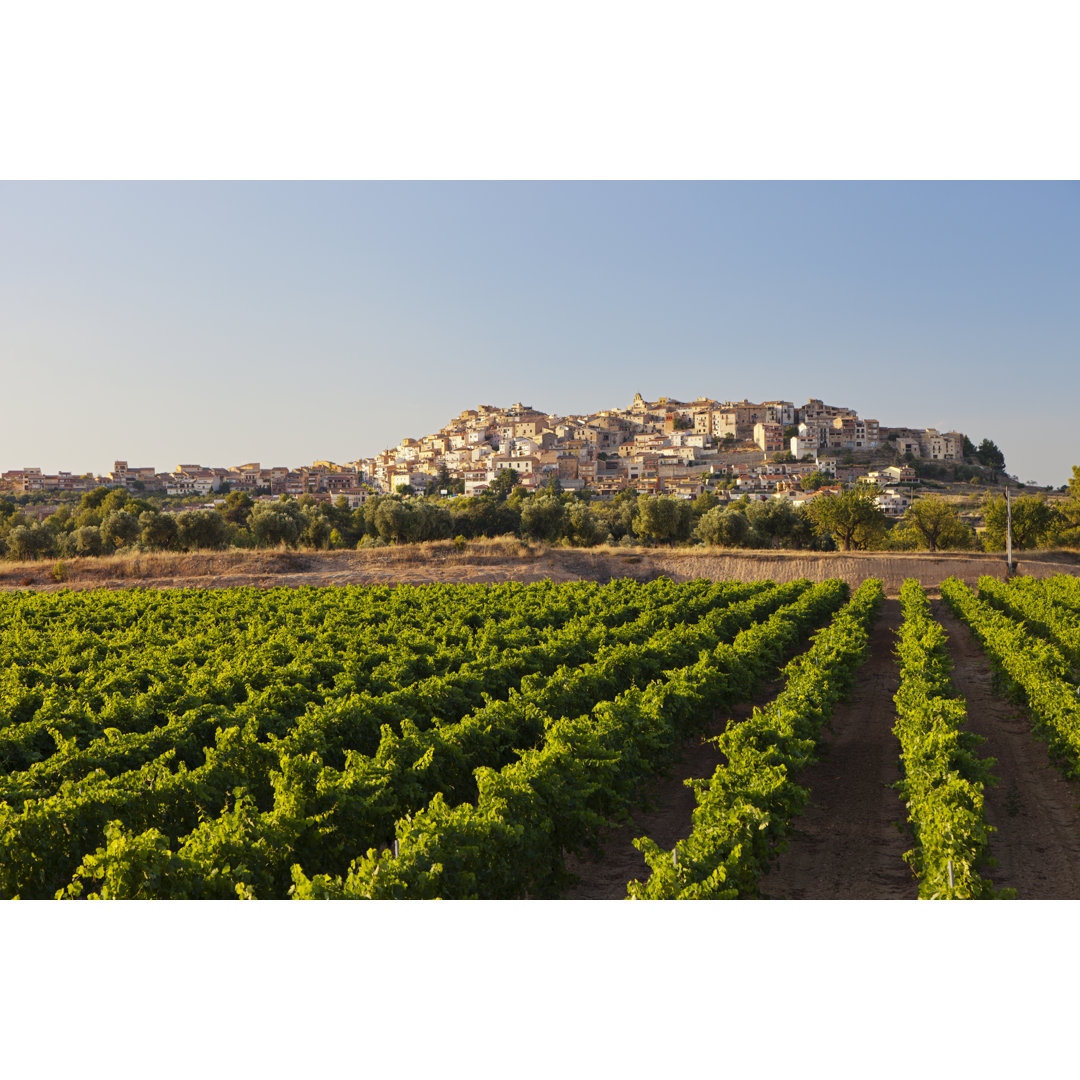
950,879
395,849
1008,533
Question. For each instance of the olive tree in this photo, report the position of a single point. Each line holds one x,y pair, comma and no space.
724,527
275,523
28,542
158,531
201,529
119,529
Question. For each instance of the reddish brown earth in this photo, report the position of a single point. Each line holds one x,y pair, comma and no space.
668,804
847,845
1034,809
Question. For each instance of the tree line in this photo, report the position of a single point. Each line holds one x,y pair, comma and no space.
110,520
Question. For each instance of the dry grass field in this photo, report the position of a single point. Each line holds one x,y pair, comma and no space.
509,559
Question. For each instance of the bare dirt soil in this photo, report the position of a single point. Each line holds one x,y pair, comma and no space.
847,844
508,559
1034,809
667,806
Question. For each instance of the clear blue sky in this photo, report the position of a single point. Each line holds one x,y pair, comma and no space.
226,322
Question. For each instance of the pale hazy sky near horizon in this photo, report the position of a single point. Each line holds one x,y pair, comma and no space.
287,322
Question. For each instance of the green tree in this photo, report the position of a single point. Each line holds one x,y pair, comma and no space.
316,527
617,516
1066,529
989,455
85,541
775,521
442,482
933,524
92,500
392,521
542,518
201,529
813,481
704,503
505,481
581,526
1033,521
157,531
663,519
119,528
238,507
59,521
275,523
116,499
852,519
28,542
724,527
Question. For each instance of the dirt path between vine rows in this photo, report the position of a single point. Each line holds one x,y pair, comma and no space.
668,803
1034,809
846,844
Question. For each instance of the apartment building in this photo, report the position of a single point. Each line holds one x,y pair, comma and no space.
25,481
769,436
938,446
816,409
124,475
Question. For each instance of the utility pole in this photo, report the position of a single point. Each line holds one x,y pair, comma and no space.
1008,532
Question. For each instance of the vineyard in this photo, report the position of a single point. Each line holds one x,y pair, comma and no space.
491,741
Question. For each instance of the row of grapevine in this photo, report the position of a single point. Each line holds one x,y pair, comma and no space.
1061,589
323,816
944,777
511,841
1032,603
745,810
1033,668
192,725
84,663
212,761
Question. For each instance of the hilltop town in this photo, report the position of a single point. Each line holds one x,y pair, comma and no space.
679,448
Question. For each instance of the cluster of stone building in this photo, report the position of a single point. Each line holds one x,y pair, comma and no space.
322,478
665,446
662,447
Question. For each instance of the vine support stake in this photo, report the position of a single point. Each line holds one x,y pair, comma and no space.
396,855
675,857
949,864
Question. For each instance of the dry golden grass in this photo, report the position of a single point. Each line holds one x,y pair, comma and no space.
508,558
472,553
